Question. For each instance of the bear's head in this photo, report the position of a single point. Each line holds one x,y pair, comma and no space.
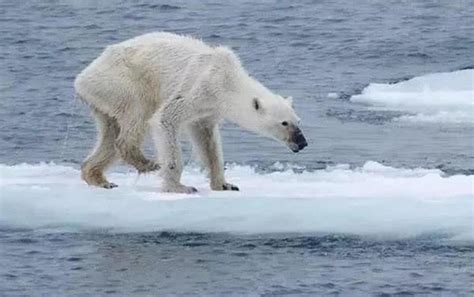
272,116
252,106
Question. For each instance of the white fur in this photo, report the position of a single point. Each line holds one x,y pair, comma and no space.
168,82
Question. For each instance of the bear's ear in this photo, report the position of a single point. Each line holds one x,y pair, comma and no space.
256,104
290,100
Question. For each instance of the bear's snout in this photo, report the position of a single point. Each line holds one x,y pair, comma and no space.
298,141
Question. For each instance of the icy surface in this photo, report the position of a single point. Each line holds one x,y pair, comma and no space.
371,200
437,97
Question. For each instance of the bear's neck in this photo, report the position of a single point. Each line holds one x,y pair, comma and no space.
237,99
231,109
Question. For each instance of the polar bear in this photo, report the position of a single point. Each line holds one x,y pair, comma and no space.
164,83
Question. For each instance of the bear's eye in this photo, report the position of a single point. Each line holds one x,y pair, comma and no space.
256,105
284,123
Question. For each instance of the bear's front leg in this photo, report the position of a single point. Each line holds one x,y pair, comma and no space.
207,143
165,133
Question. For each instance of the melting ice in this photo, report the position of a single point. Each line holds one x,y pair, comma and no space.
371,200
437,97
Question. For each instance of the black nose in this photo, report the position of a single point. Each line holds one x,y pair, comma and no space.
301,142
299,139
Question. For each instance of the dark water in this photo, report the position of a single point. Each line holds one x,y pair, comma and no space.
169,264
305,49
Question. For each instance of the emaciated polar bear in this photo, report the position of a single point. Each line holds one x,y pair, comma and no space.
166,82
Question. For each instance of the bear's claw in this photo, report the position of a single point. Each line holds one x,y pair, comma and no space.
229,187
109,185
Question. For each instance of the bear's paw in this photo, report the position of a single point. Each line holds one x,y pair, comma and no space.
226,187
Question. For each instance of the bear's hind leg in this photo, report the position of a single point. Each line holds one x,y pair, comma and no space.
104,153
128,144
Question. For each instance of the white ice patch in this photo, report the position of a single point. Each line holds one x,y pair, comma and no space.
371,200
433,98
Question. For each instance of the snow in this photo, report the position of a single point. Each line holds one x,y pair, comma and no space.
371,200
432,98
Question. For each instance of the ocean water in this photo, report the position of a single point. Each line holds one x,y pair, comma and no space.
380,202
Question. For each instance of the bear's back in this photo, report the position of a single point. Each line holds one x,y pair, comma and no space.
164,41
